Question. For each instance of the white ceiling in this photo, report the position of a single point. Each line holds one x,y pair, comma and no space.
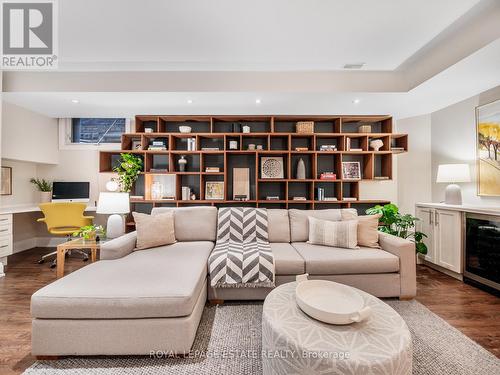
124,57
248,35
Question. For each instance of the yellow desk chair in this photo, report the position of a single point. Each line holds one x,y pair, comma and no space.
64,219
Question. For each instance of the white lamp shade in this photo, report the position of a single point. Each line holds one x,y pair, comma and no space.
453,173
113,203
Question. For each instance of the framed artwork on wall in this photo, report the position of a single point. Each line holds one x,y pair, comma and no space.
6,181
351,170
214,190
488,149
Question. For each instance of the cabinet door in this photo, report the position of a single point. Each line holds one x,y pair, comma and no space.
426,226
448,229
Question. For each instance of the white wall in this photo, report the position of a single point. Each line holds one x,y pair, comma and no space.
23,192
28,136
454,141
414,167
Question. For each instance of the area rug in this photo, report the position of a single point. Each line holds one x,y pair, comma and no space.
229,342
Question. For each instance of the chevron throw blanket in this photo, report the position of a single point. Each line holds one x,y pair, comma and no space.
242,256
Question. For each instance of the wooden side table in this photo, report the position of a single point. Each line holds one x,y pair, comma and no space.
78,243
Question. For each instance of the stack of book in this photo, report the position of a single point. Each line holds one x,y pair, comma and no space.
299,198
272,198
381,177
327,176
350,199
330,199
320,194
212,169
157,145
397,149
210,149
328,148
301,148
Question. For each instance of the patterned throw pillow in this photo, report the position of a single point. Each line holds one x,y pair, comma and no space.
333,233
154,230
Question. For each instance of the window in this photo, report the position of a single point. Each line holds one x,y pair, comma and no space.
97,130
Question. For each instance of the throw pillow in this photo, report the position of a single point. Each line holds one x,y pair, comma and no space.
154,230
333,233
368,230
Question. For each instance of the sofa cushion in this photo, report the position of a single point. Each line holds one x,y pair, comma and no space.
299,225
325,260
333,233
161,282
192,223
278,225
154,230
287,260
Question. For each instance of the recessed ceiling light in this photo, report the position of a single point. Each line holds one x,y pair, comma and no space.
356,101
354,66
258,101
190,101
75,101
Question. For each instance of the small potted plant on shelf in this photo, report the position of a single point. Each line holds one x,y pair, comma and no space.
400,225
44,187
128,171
90,232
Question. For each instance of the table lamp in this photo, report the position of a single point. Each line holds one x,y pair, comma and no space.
115,205
453,173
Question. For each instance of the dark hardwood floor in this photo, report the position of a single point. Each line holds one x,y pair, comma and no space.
472,311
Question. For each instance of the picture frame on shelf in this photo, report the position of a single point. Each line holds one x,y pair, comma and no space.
272,167
6,181
351,170
214,190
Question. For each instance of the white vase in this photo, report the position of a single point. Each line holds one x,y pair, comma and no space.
45,196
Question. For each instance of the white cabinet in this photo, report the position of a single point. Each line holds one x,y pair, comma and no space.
5,235
444,236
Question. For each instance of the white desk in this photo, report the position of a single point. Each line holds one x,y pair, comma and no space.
7,229
19,209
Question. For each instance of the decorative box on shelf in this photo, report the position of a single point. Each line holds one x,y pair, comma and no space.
304,127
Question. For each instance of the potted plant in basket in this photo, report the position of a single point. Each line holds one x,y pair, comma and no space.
44,187
400,225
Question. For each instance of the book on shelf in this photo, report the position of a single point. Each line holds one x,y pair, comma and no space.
137,197
191,144
327,176
212,169
158,170
356,149
397,148
299,198
330,199
272,198
168,198
210,149
158,143
350,199
301,148
348,144
157,148
186,193
381,177
328,148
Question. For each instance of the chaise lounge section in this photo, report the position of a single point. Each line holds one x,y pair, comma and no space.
135,302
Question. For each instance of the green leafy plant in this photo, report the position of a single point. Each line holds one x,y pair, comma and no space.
400,225
89,232
42,184
128,171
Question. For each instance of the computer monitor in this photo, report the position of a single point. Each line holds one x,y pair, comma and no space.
63,191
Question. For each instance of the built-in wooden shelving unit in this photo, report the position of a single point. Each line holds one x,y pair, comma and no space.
278,137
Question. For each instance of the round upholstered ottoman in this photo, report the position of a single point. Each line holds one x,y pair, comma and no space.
294,343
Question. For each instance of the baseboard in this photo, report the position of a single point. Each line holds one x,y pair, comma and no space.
30,243
448,272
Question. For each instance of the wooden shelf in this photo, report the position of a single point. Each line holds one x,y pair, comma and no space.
278,137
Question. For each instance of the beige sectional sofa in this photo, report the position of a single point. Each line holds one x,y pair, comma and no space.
135,302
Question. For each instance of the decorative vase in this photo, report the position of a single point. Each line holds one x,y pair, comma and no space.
156,190
182,163
301,170
45,196
376,144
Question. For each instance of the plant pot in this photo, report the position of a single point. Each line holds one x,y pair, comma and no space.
45,196
91,236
